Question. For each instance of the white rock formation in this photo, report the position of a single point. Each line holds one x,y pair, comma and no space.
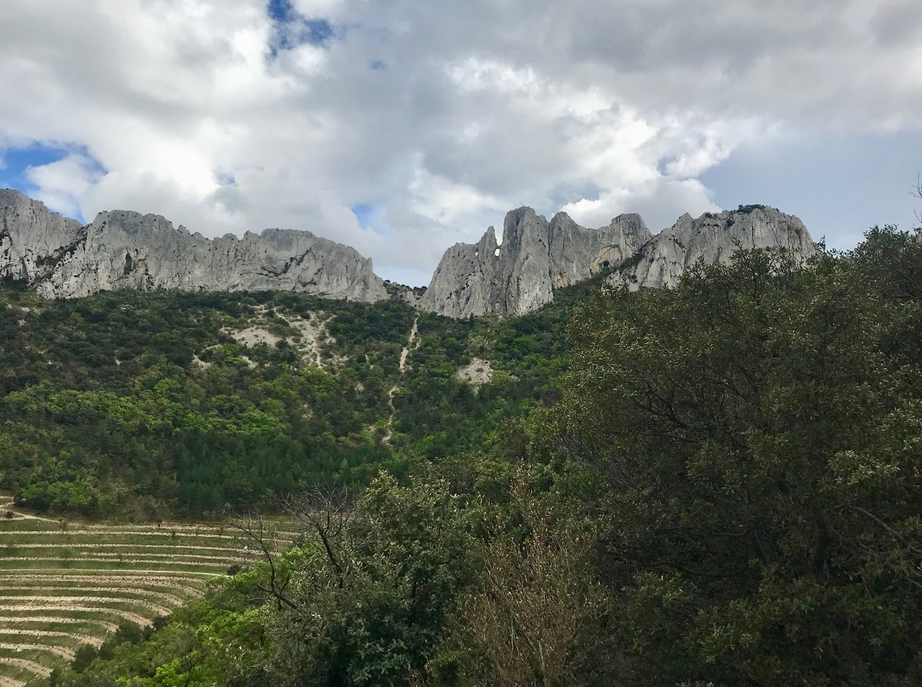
535,258
714,237
31,237
126,250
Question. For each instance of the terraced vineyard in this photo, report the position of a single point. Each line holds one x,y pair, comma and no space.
64,585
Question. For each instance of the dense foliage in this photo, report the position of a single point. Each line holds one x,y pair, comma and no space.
143,405
760,428
726,492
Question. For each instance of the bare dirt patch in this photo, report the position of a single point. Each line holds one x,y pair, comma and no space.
309,333
477,373
59,651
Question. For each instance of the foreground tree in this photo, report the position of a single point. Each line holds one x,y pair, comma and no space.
368,595
762,442
537,596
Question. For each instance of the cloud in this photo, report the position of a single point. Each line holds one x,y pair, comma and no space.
234,115
61,184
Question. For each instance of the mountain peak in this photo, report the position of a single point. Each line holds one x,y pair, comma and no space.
127,250
121,249
536,258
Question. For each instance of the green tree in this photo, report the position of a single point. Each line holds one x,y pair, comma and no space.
761,441
365,603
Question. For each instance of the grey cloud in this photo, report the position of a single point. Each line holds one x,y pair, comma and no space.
896,24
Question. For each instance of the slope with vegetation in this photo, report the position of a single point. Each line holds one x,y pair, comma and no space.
145,405
725,492
716,484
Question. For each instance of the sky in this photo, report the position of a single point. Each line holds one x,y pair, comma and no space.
401,127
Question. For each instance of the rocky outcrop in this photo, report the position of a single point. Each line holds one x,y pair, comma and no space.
32,238
60,258
714,237
126,250
535,258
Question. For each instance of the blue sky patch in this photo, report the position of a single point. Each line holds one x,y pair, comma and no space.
16,161
378,65
225,179
282,11
293,29
368,217
317,31
566,193
366,214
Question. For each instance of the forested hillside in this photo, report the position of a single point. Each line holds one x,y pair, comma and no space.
143,405
716,485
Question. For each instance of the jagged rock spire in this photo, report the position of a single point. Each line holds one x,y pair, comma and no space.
535,258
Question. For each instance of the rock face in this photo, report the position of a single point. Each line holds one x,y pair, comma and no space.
535,258
126,250
60,258
32,237
714,237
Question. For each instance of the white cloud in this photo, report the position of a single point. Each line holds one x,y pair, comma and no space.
593,106
63,183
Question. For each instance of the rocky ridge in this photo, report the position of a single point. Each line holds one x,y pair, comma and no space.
59,258
713,237
127,250
535,258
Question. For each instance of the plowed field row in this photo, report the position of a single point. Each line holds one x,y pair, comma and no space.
66,585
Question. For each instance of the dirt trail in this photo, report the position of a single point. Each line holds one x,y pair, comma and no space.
54,620
10,682
213,561
113,532
178,573
233,555
114,582
115,593
62,652
28,666
83,639
156,578
412,344
409,347
131,548
6,504
135,530
135,618
63,602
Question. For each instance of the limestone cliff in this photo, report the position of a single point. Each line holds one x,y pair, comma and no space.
32,237
536,257
60,258
714,237
126,250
